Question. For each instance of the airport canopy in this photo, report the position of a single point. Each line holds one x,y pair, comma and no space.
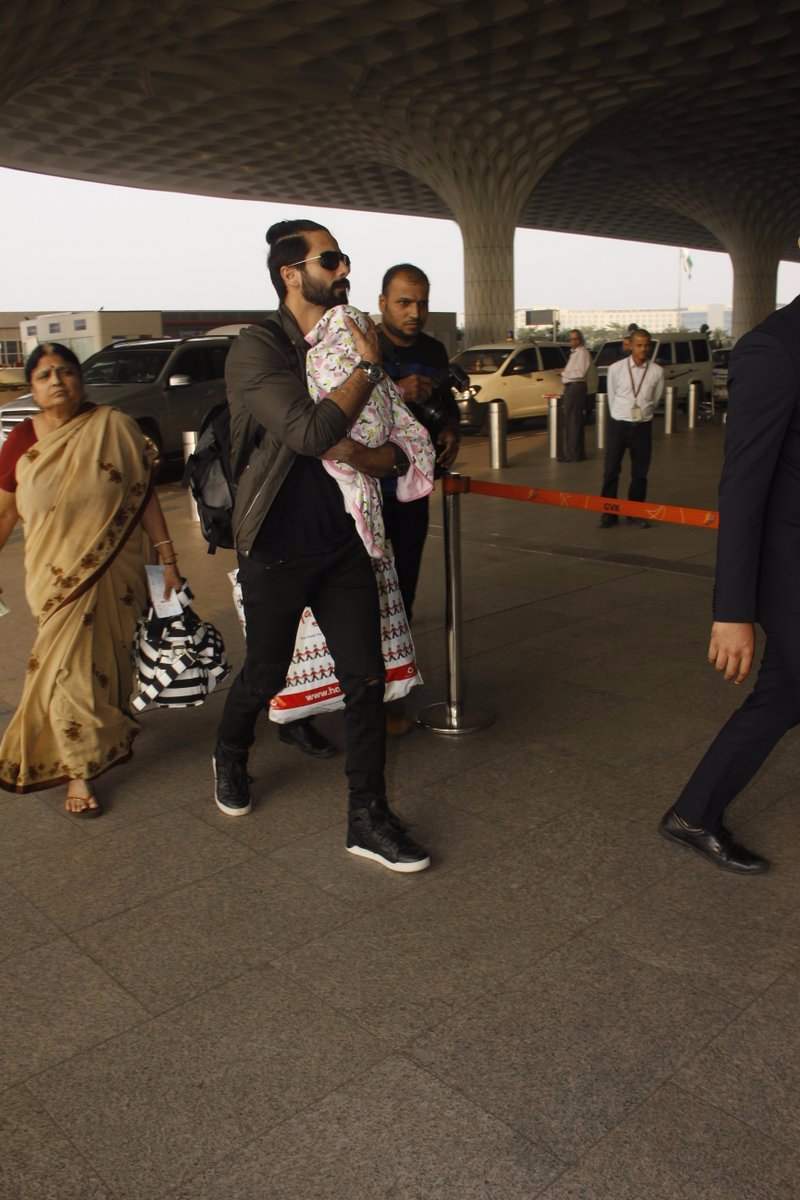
667,123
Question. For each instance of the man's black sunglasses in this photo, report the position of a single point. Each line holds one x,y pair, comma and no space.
329,260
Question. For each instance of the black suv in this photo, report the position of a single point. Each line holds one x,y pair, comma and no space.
167,385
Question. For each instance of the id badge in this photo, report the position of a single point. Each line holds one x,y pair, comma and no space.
636,414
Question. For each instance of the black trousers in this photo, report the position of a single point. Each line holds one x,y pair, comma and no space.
407,528
341,589
745,741
637,438
571,447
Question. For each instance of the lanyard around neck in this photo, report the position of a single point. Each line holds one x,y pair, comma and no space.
634,388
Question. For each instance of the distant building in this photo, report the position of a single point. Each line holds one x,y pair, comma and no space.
10,344
86,332
716,316
656,320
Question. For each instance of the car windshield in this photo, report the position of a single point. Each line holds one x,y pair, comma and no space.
126,366
609,353
483,362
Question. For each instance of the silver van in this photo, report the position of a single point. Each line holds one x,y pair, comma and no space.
167,385
685,358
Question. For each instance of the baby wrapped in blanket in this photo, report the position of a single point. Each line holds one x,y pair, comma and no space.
384,418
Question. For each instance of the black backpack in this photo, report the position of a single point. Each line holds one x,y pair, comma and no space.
209,474
209,477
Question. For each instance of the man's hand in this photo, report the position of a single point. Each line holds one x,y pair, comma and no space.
414,388
367,345
447,444
344,451
731,649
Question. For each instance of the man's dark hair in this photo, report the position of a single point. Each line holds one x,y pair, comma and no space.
637,332
57,350
415,273
286,246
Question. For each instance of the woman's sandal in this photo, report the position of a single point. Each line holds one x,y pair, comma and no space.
91,810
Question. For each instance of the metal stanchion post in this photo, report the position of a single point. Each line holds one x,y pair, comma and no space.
189,438
498,429
601,418
451,717
694,392
553,411
669,410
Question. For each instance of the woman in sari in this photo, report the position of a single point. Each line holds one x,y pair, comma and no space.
80,477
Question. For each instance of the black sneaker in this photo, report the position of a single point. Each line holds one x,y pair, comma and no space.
231,782
306,737
377,833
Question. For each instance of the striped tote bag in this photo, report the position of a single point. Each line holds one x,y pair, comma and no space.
178,661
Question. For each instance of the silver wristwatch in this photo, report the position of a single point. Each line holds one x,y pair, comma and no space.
373,371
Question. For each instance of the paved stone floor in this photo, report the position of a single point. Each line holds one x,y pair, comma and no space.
564,1006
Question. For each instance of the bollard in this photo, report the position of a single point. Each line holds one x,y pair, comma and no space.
669,410
694,395
553,413
189,439
450,717
601,418
498,430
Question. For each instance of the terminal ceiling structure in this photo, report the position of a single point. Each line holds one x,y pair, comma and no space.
673,123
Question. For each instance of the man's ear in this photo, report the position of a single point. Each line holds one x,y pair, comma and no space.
382,302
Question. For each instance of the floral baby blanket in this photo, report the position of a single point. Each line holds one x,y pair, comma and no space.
331,360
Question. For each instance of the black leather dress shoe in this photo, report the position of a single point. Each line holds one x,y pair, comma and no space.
719,848
607,521
307,738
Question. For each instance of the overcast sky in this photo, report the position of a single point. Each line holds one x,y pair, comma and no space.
65,245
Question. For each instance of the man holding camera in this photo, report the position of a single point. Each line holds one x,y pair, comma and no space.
419,366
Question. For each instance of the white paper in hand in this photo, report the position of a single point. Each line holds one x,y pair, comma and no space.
4,609
155,582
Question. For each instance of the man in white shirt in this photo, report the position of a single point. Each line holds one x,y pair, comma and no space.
571,447
634,385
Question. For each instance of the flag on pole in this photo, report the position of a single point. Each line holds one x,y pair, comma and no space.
686,262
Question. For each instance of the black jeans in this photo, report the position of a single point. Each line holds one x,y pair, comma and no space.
636,437
407,528
745,741
341,589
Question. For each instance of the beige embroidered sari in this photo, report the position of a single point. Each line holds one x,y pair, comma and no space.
80,493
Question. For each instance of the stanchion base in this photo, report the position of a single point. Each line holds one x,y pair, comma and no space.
438,718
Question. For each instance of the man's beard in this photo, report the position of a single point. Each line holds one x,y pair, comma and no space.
326,295
402,335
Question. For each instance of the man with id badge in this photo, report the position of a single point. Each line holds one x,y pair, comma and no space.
635,386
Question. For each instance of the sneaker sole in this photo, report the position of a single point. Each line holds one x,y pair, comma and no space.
229,812
402,868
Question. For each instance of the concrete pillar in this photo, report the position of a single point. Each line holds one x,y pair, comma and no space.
755,282
488,274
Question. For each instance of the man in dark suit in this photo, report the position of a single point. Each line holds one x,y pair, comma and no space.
757,580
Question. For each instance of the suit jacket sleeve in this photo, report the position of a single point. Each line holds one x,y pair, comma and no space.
762,393
261,378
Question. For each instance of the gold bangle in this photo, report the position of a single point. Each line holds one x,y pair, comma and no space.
166,542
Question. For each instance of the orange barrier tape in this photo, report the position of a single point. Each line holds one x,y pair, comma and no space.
670,513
